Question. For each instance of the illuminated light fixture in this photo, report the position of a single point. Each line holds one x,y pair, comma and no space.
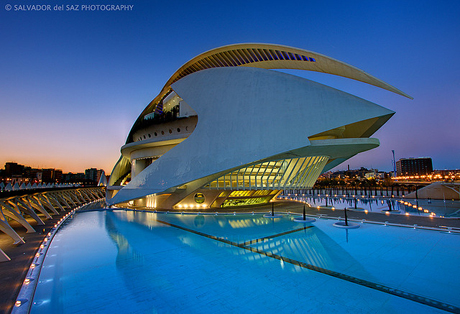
387,213
407,214
18,303
37,255
420,208
333,208
318,207
32,266
42,246
366,211
180,206
26,281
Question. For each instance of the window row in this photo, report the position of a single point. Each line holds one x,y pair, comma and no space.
159,133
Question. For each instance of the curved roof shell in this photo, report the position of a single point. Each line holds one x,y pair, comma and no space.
269,56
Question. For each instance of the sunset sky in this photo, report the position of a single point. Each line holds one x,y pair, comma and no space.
73,83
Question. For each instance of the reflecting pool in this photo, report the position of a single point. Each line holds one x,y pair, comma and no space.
122,261
417,207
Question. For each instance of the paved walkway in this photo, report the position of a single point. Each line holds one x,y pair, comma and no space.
12,273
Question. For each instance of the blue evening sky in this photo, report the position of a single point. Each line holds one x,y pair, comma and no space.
72,83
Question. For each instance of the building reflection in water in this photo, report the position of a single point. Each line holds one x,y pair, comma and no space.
233,235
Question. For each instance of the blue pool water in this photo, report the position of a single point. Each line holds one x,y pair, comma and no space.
141,262
413,207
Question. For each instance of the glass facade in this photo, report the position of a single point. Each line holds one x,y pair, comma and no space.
273,175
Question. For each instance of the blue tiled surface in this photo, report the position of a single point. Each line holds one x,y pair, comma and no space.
128,262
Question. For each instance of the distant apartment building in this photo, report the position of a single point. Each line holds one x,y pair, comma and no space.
73,177
58,175
414,166
48,175
13,169
51,175
91,174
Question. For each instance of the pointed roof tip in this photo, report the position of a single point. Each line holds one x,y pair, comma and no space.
275,56
405,95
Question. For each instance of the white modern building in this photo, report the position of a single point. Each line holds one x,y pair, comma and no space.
229,130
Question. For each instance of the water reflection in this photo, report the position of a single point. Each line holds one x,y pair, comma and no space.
421,207
132,264
257,237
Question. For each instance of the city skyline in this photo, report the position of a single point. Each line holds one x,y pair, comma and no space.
73,82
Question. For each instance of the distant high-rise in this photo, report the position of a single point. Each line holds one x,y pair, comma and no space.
91,174
414,166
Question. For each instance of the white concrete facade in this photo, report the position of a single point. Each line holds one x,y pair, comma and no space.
254,129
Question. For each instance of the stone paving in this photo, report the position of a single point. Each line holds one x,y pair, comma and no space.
13,273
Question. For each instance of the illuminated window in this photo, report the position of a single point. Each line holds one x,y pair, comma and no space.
282,174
